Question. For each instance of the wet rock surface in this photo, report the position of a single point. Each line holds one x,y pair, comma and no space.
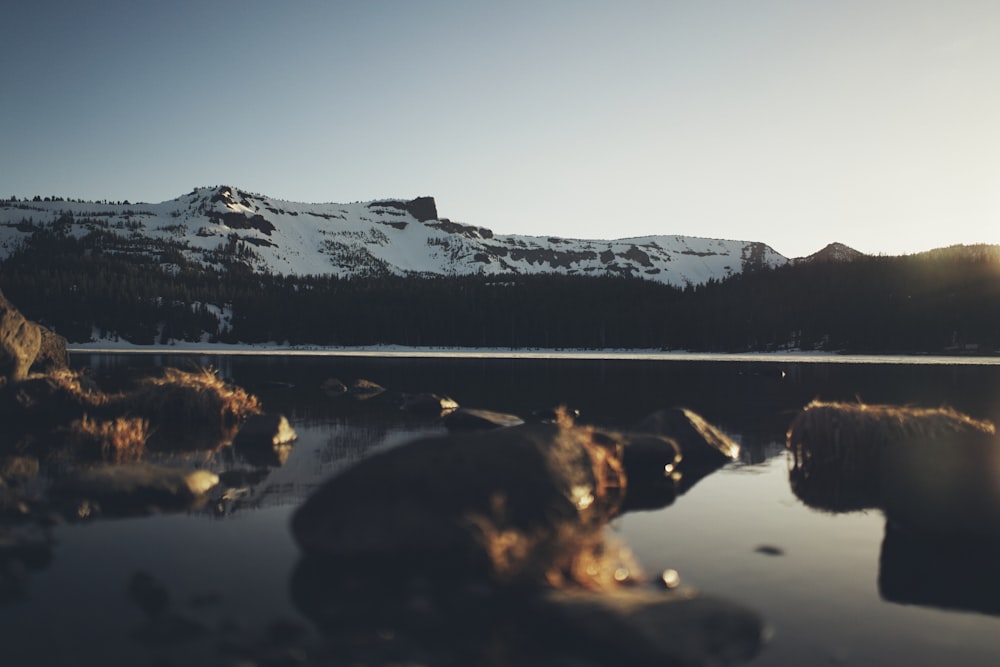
265,440
20,341
491,546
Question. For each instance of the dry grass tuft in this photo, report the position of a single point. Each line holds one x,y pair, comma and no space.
120,440
565,552
76,383
180,402
560,555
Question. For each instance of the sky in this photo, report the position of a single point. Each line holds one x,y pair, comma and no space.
875,123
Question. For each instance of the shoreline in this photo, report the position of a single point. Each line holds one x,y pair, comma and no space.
400,351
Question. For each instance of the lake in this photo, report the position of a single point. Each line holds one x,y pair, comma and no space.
834,588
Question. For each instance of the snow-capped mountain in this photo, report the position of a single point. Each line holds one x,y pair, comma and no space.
219,226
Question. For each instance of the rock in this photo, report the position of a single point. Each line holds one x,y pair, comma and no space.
52,354
703,447
20,340
265,440
334,387
936,471
44,401
18,469
363,390
428,403
472,419
642,627
699,442
651,471
944,484
515,504
136,488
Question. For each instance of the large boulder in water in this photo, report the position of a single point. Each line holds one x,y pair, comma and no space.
20,340
703,447
515,503
52,354
934,471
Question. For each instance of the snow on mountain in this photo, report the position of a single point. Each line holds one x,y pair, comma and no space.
217,226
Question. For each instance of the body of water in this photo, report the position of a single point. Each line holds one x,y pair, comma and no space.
834,588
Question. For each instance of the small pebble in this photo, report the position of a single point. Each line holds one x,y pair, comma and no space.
671,578
769,550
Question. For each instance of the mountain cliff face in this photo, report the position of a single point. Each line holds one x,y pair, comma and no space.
221,226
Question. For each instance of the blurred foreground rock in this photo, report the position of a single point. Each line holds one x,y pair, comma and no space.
491,547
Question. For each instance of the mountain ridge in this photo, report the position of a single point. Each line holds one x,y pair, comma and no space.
220,226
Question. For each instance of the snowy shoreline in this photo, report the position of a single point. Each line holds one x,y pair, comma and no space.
401,351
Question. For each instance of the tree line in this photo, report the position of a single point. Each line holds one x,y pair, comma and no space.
934,302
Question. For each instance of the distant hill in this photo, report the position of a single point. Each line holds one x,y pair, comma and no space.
222,226
834,252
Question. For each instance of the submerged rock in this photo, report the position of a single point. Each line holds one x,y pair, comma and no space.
428,403
473,419
265,440
362,389
133,489
334,387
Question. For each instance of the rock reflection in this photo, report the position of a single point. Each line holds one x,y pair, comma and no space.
948,574
382,612
24,550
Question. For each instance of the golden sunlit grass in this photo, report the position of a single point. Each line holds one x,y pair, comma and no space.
74,383
560,553
63,413
119,440
179,401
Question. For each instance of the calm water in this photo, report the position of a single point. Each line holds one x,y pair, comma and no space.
828,584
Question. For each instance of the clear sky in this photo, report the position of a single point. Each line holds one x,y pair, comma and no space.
793,122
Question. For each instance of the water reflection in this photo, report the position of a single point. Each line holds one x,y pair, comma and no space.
949,574
236,551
